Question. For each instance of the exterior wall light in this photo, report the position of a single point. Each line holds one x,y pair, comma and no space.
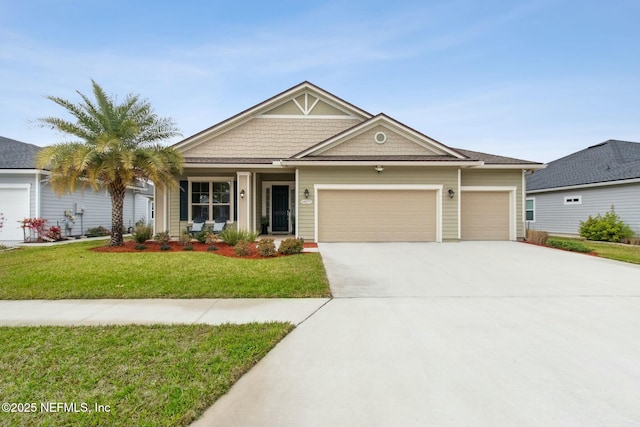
242,194
451,193
379,168
306,193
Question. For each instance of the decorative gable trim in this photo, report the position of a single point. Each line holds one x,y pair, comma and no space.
389,123
303,89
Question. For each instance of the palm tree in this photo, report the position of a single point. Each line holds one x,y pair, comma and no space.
118,144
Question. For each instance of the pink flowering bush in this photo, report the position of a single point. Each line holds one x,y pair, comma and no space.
34,229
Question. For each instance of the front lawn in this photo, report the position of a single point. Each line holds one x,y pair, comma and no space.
619,252
73,271
124,375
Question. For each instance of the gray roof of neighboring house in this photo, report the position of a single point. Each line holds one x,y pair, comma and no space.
17,155
611,160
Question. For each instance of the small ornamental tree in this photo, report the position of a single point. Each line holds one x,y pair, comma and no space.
607,228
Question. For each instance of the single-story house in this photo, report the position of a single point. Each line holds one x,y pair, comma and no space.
315,166
26,193
585,183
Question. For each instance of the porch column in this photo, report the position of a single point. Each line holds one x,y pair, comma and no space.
244,192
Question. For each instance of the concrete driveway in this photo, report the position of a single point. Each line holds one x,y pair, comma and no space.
454,334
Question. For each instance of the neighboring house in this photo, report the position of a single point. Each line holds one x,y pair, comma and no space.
586,183
320,168
25,193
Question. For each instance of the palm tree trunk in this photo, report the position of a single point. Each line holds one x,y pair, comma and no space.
117,193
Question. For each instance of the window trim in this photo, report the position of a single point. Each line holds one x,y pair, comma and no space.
572,200
210,180
533,209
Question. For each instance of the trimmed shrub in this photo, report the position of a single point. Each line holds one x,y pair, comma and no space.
232,236
212,248
53,234
537,236
607,228
185,239
142,233
242,248
162,237
211,238
291,246
98,232
165,247
568,245
140,247
202,236
266,247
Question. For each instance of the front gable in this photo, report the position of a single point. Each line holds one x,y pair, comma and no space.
276,128
380,136
308,104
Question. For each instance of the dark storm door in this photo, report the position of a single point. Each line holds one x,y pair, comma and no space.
280,208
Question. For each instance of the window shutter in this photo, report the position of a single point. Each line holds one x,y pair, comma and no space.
235,201
184,200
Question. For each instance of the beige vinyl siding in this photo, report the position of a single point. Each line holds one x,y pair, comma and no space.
485,215
264,137
365,144
447,177
499,178
376,216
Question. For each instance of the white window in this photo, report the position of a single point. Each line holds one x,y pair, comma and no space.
210,200
572,200
530,210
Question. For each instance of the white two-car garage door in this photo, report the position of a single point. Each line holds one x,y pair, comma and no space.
485,215
374,215
14,205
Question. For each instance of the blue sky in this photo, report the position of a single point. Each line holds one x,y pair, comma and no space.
534,79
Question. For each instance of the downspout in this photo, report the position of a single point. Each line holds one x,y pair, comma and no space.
37,194
523,206
297,207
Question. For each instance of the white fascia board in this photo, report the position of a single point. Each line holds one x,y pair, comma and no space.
514,166
24,171
231,165
462,163
595,184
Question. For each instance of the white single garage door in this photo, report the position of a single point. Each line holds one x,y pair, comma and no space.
14,205
484,215
377,215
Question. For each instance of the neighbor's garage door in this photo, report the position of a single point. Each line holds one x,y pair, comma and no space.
376,215
485,215
14,205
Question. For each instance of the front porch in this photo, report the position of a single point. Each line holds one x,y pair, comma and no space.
245,199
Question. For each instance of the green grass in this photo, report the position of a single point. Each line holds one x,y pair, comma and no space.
73,271
618,252
146,375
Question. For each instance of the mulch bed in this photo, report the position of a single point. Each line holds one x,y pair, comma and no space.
152,246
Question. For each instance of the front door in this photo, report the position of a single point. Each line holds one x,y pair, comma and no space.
280,211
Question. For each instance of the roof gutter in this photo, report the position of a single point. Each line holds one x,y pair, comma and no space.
527,166
297,163
232,165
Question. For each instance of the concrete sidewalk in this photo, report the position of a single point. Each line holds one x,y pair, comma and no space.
149,311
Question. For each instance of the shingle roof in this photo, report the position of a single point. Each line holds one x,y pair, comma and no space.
611,160
493,159
17,155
